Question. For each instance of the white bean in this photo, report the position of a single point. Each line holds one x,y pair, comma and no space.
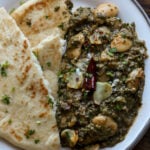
96,37
75,80
79,37
104,30
107,9
121,44
93,147
75,52
133,81
105,121
72,138
103,91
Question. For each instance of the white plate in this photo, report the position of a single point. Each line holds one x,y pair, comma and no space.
130,11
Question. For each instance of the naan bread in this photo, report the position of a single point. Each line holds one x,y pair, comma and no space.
49,53
53,81
39,21
27,110
38,18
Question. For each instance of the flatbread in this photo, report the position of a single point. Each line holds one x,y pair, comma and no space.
49,53
39,21
53,80
27,109
38,18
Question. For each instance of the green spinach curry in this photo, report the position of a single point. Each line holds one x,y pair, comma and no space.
101,78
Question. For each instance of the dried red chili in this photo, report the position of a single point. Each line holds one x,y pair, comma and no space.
90,80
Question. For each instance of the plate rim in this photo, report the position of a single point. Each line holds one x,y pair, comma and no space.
147,123
142,11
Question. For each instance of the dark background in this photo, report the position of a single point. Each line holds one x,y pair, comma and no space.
144,144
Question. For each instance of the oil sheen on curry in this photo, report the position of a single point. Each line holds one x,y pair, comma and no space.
101,78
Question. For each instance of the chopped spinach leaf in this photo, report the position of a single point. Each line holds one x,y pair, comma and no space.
57,8
36,141
6,99
10,121
12,10
28,22
48,64
46,17
113,50
29,133
3,68
35,54
22,2
110,74
61,26
50,101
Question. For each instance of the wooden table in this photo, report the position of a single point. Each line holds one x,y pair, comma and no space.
144,144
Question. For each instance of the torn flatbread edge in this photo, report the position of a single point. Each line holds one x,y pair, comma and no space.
35,62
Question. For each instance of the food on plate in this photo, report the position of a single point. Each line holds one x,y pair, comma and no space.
39,18
106,9
27,109
101,79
